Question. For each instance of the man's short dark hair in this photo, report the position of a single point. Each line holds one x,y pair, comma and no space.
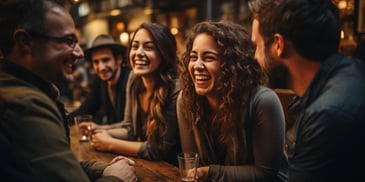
22,14
313,26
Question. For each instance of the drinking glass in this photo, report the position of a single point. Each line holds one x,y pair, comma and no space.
188,163
83,132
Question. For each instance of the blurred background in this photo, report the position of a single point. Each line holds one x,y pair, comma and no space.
120,18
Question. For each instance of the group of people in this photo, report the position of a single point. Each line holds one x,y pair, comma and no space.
214,101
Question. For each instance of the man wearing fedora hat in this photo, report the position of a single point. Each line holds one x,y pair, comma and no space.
106,99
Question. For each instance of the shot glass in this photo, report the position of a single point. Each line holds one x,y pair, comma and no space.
83,132
188,163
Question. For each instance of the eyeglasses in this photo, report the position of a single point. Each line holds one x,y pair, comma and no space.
70,40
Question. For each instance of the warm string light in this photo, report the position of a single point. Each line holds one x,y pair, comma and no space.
115,12
124,37
342,4
174,31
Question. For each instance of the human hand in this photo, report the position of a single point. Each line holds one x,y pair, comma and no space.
122,168
115,159
101,140
88,125
191,174
202,173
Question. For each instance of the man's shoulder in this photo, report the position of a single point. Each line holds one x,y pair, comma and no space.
15,89
345,68
342,102
344,82
18,95
341,84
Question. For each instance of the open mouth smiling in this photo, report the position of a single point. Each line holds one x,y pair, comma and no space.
69,67
141,62
202,77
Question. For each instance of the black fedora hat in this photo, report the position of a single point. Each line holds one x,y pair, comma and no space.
102,41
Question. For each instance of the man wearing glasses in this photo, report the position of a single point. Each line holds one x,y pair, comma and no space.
70,40
39,46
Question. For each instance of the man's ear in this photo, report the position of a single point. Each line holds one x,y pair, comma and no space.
279,45
22,40
284,47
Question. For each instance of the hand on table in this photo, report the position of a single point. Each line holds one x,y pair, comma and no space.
202,173
101,140
121,167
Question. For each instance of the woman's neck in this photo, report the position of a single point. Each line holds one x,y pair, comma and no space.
149,84
213,103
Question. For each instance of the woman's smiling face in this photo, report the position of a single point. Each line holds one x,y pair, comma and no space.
144,56
204,64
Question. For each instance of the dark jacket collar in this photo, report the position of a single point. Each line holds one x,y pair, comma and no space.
298,104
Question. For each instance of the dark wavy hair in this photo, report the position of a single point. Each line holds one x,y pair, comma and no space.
313,26
165,84
240,76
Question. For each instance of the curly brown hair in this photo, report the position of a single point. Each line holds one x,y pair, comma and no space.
240,76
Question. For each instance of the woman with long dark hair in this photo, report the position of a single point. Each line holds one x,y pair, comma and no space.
149,129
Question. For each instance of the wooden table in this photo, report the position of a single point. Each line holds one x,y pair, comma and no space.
146,170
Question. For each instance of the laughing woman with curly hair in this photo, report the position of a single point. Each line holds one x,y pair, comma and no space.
225,114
